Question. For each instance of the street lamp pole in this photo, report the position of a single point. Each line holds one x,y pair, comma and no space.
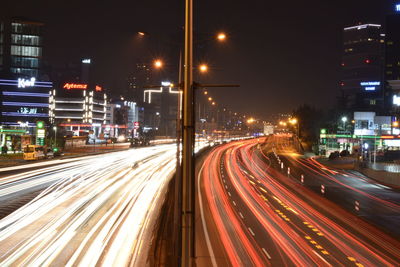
55,135
188,143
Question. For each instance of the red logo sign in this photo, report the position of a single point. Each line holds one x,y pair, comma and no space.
98,88
70,86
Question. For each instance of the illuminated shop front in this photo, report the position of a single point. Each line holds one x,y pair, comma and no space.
24,101
79,108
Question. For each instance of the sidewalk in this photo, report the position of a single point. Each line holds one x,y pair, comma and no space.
385,174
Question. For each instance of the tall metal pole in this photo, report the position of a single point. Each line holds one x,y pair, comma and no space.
188,144
177,183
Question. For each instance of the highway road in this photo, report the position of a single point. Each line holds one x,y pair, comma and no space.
97,210
253,213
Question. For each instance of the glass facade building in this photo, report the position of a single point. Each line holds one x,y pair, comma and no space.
362,63
20,48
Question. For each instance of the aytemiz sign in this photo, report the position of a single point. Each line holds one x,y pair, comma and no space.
70,86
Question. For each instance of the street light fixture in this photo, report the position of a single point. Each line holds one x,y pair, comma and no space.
344,119
158,63
210,98
221,36
205,92
55,135
203,68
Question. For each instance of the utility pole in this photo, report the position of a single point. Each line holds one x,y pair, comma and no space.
188,252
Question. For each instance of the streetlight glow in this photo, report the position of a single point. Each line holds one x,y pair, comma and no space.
205,92
158,63
203,68
344,119
221,36
210,98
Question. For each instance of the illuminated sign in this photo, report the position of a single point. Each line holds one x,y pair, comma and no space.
98,88
41,133
70,86
165,83
25,110
370,86
370,83
396,100
22,83
397,7
86,61
40,124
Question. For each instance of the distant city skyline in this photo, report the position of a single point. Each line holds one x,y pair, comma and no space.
300,58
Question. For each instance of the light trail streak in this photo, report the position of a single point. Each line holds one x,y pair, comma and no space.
97,211
312,232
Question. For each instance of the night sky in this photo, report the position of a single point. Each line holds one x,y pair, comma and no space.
282,53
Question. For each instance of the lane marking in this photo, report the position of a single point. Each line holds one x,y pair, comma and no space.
234,203
351,259
241,215
251,231
262,189
266,253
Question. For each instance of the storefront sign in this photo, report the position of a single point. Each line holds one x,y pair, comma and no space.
396,100
25,110
70,86
22,83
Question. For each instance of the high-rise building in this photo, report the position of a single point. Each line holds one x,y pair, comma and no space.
362,67
137,82
392,62
20,48
24,93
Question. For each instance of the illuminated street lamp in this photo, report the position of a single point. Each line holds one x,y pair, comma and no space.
210,98
251,120
221,36
205,92
395,124
203,68
213,103
158,64
55,135
344,120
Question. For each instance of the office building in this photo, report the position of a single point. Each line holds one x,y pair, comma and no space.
20,48
362,66
137,81
161,106
392,64
78,107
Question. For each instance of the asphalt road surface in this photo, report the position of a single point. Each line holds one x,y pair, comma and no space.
255,213
97,210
